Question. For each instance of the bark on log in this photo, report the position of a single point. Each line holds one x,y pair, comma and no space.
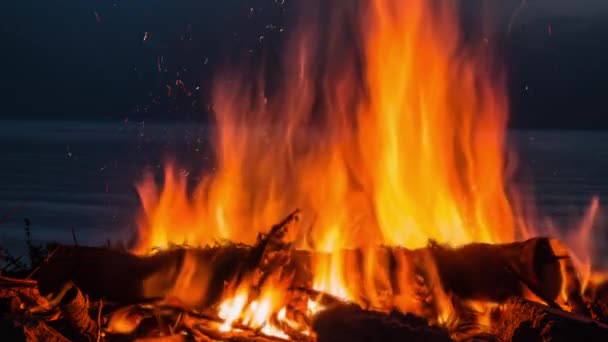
524,321
476,271
351,323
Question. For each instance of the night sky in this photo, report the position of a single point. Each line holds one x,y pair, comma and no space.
92,59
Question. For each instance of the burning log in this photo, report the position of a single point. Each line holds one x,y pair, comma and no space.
497,272
479,271
136,279
522,320
509,269
475,271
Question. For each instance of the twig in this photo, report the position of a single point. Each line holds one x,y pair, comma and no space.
45,260
177,320
277,231
14,282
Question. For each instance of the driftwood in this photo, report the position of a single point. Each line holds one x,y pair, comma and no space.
522,320
476,271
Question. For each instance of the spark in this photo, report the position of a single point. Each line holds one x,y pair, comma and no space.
97,17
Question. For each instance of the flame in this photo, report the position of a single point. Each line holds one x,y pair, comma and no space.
397,141
255,311
416,155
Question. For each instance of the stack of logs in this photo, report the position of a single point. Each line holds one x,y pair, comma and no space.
93,294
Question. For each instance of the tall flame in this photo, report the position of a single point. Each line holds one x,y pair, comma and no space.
396,139
406,148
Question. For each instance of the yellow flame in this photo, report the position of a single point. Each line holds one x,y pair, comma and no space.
230,310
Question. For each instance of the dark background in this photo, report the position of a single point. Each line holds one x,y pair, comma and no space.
88,59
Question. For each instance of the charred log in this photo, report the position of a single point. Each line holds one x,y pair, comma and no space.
351,323
475,271
522,320
498,272
135,279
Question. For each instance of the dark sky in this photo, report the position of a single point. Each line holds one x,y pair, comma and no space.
88,59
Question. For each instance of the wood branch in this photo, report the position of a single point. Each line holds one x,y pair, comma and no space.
15,282
23,298
475,271
523,320
351,323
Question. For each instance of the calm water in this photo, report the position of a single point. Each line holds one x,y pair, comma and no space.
79,176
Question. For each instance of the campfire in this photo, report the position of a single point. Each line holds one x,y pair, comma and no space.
364,194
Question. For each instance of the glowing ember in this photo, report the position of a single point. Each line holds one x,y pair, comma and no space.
403,146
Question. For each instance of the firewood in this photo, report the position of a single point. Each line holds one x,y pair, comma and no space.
351,323
523,320
479,271
475,271
125,278
497,272
15,282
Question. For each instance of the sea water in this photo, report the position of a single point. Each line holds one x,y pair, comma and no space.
76,179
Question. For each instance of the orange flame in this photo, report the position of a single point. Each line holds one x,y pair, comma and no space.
419,157
398,143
